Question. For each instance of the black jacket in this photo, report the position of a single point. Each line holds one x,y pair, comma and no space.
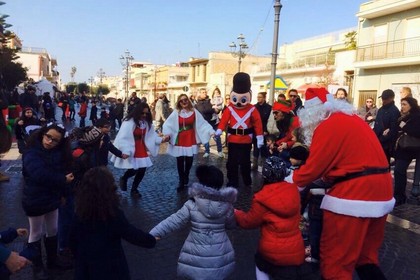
97,247
265,111
387,117
412,128
206,109
45,179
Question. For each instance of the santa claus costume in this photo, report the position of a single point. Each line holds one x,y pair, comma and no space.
242,121
186,128
345,152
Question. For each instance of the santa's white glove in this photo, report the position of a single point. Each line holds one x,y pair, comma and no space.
218,132
289,179
260,141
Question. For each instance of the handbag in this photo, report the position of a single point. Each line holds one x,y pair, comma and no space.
408,143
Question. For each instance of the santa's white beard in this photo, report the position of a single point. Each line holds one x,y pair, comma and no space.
311,117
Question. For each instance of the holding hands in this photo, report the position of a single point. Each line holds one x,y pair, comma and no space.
69,177
166,138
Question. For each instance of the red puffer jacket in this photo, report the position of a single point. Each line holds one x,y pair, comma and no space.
276,209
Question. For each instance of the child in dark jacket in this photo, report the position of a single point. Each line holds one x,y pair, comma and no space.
93,113
99,227
27,119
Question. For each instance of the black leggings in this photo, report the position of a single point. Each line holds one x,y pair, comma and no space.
137,179
184,166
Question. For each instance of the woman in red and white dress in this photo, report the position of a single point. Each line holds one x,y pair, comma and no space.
136,138
186,128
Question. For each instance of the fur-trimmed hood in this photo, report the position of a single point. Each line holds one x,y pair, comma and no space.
211,202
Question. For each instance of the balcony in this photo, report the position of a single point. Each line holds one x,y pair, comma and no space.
388,54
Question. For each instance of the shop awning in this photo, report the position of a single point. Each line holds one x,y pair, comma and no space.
279,84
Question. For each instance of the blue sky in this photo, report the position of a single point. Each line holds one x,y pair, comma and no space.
94,34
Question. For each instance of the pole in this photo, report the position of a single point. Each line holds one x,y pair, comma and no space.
239,62
277,8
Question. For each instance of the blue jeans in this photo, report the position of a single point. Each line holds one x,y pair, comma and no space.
218,141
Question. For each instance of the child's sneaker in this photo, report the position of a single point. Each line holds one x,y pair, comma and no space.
221,155
206,155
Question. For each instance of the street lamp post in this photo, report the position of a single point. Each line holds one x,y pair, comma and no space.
126,63
277,8
91,86
241,52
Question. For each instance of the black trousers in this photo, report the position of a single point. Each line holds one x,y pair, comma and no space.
139,174
239,156
183,165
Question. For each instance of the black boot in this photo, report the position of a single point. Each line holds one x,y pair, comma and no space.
123,183
370,272
38,269
54,261
135,192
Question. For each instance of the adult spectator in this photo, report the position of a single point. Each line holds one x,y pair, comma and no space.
133,101
281,97
361,196
159,112
265,110
408,123
6,136
29,98
119,112
295,99
386,128
341,94
405,92
48,106
206,109
368,112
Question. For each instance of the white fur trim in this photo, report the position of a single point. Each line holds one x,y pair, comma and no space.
357,208
312,102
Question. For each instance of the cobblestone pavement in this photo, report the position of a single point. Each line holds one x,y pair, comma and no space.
399,255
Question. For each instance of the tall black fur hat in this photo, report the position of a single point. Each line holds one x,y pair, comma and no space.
241,83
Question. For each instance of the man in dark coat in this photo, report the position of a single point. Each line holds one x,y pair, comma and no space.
29,98
386,128
265,110
295,99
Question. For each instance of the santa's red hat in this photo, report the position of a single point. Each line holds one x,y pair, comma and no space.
317,96
282,106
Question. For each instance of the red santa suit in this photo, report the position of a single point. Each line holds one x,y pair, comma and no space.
345,149
242,121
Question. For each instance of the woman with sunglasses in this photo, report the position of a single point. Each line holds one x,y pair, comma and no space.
46,165
136,138
368,112
186,128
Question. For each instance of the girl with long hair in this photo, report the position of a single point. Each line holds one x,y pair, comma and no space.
46,165
98,228
186,128
136,138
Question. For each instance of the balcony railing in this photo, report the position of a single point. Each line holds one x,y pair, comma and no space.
305,62
392,49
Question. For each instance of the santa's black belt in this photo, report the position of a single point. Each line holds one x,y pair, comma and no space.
240,131
369,171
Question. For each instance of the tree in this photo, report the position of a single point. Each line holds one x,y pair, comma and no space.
71,87
351,40
103,89
11,73
82,87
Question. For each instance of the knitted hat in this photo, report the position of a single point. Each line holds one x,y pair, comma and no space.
317,96
87,136
274,170
299,152
241,83
283,106
210,176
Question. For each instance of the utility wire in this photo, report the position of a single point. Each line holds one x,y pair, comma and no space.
254,44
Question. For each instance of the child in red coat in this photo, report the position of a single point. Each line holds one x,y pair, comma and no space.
276,210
